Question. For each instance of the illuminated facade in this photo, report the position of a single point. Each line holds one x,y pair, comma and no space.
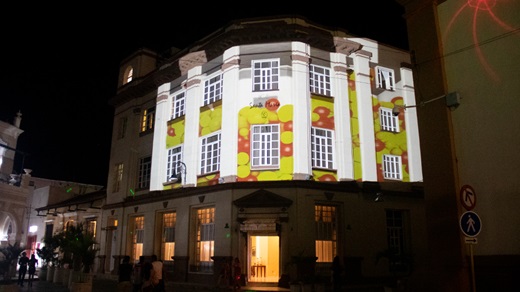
266,132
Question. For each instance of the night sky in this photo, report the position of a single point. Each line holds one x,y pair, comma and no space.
60,66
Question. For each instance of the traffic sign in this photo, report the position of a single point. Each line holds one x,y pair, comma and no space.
470,240
468,197
470,224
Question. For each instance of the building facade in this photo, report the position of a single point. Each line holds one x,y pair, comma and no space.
274,141
472,48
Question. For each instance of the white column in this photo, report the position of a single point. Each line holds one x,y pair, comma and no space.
230,104
301,100
191,149
159,152
365,115
343,133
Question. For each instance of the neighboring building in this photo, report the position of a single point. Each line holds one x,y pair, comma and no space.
33,207
473,48
270,140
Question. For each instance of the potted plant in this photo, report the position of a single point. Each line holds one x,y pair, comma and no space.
79,244
8,260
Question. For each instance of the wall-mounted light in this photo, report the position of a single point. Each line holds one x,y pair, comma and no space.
452,101
178,175
379,197
226,226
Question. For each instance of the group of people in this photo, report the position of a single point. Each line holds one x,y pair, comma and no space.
143,277
26,264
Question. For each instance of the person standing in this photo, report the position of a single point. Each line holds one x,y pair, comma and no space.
125,275
32,263
157,275
23,261
237,273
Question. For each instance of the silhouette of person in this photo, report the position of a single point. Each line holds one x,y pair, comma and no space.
23,261
32,263
237,273
125,275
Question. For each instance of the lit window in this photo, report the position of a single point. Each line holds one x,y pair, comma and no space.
319,79
266,75
204,240
148,119
137,237
385,78
210,154
389,121
265,146
168,239
392,167
145,170
179,105
129,74
322,148
326,224
213,89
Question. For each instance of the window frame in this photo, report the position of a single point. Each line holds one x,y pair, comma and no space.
210,158
327,157
144,172
148,120
327,232
203,228
388,121
265,146
178,108
392,167
265,74
174,157
213,88
319,82
385,78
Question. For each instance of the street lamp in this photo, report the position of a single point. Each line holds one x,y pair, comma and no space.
177,176
452,101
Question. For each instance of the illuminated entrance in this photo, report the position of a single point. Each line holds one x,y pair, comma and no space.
264,258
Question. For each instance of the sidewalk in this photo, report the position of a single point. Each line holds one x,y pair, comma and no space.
98,285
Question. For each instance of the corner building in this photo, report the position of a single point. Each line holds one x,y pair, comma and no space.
274,140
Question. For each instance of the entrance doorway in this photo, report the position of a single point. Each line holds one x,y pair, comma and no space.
264,258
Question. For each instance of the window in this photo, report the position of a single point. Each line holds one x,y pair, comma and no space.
322,148
129,74
326,224
266,75
173,162
121,130
385,78
91,226
118,177
168,238
319,78
392,167
213,89
265,146
205,240
179,105
397,226
148,119
388,121
137,237
210,154
145,170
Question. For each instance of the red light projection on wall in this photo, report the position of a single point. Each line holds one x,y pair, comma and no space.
481,8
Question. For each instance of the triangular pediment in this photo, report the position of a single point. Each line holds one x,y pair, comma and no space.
262,199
